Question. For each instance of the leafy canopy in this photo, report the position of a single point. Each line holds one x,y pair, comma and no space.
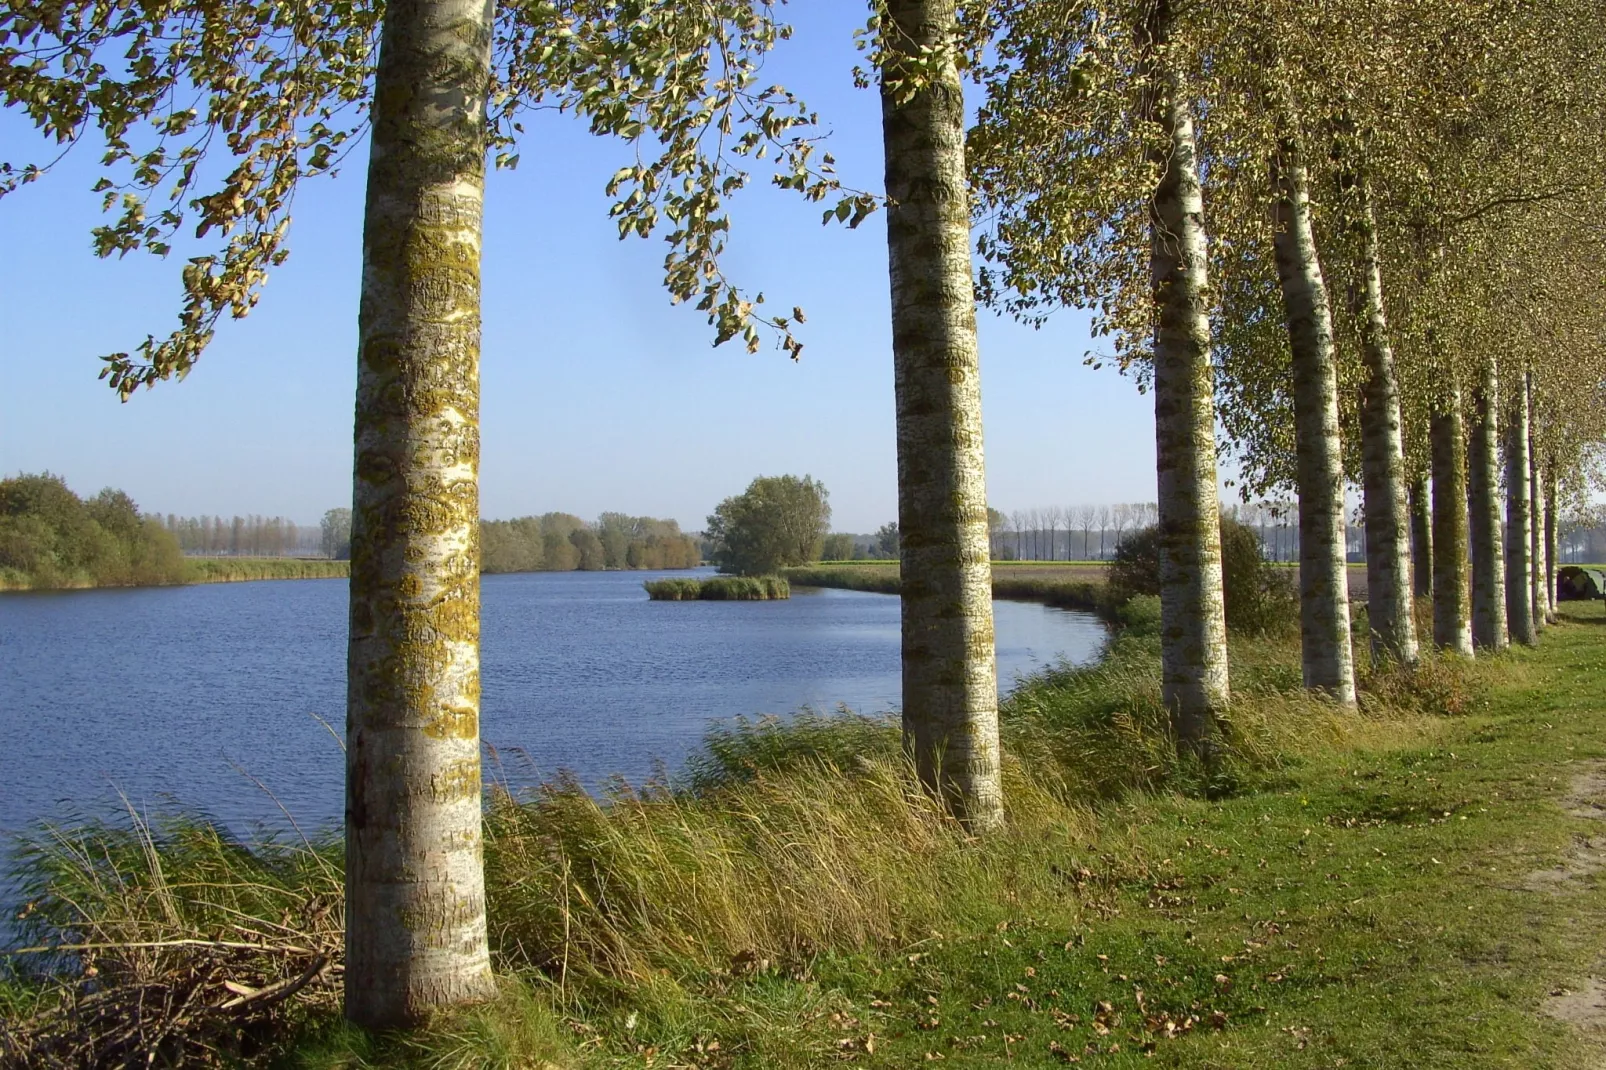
779,521
211,115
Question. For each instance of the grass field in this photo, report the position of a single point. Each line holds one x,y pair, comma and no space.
1419,884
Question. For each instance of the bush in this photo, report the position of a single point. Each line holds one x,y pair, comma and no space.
1140,614
1259,596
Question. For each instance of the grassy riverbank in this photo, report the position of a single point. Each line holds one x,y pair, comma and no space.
195,570
1324,898
1067,585
240,569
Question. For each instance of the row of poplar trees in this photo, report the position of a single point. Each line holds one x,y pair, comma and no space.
1304,225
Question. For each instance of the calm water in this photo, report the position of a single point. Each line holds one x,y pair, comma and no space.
209,697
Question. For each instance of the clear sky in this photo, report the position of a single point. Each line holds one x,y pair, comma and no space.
597,393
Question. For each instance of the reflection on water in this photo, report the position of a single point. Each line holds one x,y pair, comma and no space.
227,697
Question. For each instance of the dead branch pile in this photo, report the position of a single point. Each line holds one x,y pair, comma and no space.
173,949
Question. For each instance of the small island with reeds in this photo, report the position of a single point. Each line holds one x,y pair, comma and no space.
720,589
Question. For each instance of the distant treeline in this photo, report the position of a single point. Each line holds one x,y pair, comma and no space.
562,542
244,536
554,542
50,537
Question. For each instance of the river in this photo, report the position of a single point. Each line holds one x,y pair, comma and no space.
225,698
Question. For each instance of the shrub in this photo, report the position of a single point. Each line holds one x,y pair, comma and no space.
1140,614
1259,596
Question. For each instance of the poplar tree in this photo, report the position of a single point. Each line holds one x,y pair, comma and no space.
1087,172
286,89
950,686
1488,551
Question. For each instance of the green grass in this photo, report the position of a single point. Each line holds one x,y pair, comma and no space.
719,589
1344,889
1067,585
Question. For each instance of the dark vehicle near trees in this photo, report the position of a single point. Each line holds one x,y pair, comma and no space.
1575,584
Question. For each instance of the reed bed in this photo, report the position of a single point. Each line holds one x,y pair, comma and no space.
720,589
242,569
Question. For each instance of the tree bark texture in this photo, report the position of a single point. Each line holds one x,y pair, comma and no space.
1193,644
1550,535
1536,518
1388,535
950,687
1452,626
415,902
1483,490
1519,524
1327,658
1421,537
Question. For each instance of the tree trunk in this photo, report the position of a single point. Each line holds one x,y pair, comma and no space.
1536,521
1452,628
1519,525
415,915
1550,535
1327,659
1483,481
1421,537
950,687
1193,643
1388,582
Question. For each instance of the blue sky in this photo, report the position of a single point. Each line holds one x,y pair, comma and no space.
597,393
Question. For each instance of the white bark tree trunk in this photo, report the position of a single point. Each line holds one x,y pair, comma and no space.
1536,517
1388,580
1421,537
1452,625
1327,658
1483,488
1550,536
1193,644
415,902
950,687
1519,524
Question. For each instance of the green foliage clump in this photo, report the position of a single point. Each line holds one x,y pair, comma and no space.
1259,596
720,589
769,746
839,547
49,537
561,542
334,532
779,521
673,590
1140,614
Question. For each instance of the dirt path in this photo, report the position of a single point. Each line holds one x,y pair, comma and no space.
1580,1003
